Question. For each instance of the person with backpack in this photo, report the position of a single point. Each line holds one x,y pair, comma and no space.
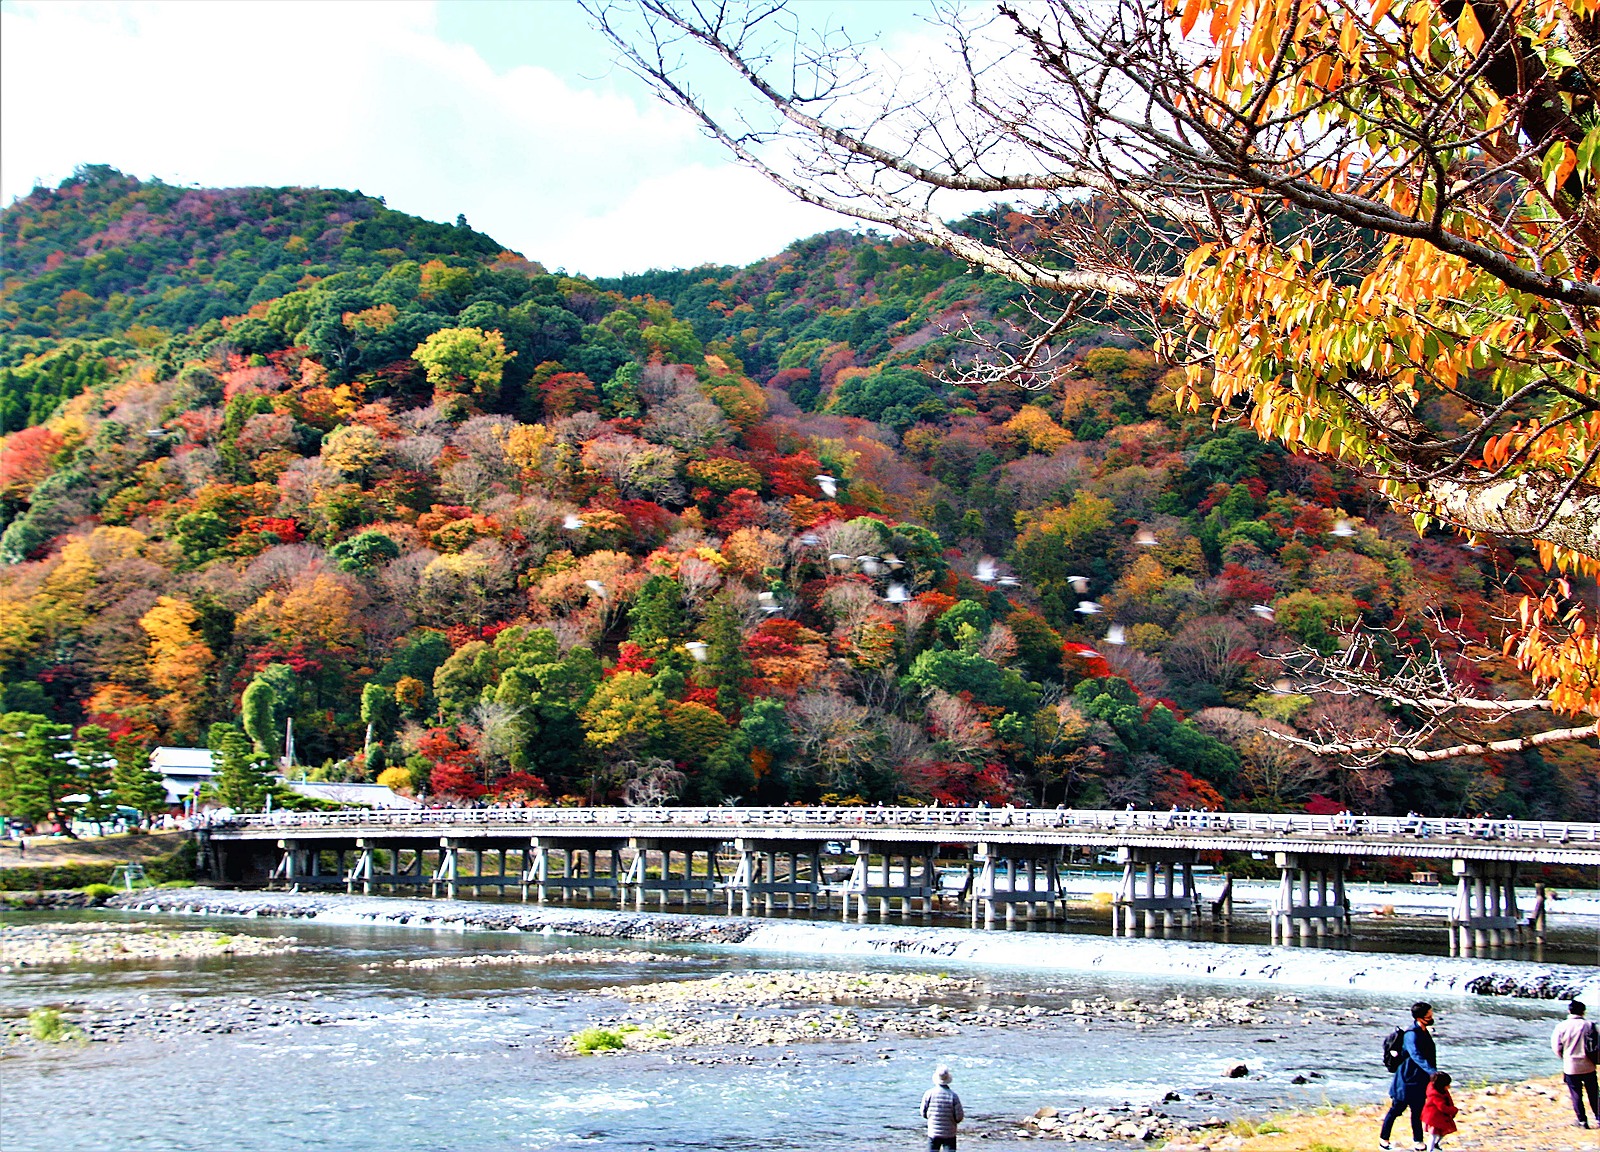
1412,1058
1578,1044
942,1109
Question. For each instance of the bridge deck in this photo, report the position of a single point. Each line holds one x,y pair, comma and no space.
1533,842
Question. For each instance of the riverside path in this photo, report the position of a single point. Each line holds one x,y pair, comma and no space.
990,861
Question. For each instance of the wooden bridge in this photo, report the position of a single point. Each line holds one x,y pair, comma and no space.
1006,860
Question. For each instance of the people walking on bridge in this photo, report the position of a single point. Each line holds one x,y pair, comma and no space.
1408,1091
1577,1042
941,1107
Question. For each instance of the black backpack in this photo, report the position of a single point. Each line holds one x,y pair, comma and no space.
1394,1049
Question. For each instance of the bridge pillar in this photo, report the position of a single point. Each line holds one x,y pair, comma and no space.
1485,914
535,870
362,870
1310,893
446,872
1173,870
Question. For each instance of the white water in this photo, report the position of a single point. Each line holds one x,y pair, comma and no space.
1411,977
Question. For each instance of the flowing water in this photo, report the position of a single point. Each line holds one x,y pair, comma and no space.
473,1058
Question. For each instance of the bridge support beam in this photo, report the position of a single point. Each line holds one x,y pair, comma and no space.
887,883
1009,876
1154,880
1310,894
1485,914
361,872
445,873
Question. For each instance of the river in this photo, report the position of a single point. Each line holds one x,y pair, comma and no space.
387,1058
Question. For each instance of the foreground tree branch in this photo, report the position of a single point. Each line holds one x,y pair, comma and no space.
1370,751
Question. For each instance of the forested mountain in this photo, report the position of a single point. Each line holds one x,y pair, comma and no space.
698,535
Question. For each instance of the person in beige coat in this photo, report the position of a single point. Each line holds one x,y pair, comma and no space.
1577,1043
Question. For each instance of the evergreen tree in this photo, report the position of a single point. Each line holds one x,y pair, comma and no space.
657,616
134,783
96,766
727,668
44,773
258,710
243,780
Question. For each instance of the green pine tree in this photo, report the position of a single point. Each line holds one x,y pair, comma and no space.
134,783
96,772
243,780
44,773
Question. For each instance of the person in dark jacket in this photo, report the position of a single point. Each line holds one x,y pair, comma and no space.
1418,1064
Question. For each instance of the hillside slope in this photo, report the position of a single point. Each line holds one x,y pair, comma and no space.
725,533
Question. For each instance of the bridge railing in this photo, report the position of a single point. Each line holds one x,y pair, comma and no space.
867,820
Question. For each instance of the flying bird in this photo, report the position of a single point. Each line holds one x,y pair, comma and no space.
896,594
893,561
986,571
571,522
1086,653
1282,687
811,539
1145,538
1343,528
1089,607
1116,634
597,588
697,649
1080,584
1264,611
828,484
838,558
1009,582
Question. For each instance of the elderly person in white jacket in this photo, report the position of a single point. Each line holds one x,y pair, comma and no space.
1576,1042
943,1110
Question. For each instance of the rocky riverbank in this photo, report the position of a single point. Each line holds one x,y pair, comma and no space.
778,1009
145,1018
1532,1116
33,945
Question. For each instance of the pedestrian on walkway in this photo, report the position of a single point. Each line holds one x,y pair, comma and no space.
1409,1088
941,1107
1578,1044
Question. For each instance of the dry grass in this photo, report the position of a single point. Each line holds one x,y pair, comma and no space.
1530,1117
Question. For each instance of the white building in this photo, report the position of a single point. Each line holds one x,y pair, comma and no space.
183,770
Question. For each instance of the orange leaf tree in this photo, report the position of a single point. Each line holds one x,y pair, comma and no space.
1367,228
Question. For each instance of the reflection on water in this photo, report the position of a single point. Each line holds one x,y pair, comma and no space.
467,1058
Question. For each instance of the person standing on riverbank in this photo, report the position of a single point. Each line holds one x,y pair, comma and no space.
1418,1064
1577,1043
1438,1111
941,1107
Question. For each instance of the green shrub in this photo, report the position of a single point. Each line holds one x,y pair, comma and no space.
176,884
99,892
54,876
598,1040
46,1024
179,865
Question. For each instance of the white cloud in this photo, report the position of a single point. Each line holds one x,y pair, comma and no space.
369,96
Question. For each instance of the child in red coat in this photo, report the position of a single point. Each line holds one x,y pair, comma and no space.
1438,1110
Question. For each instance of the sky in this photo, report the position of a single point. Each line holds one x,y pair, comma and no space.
512,114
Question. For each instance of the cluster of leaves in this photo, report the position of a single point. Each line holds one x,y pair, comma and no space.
472,528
